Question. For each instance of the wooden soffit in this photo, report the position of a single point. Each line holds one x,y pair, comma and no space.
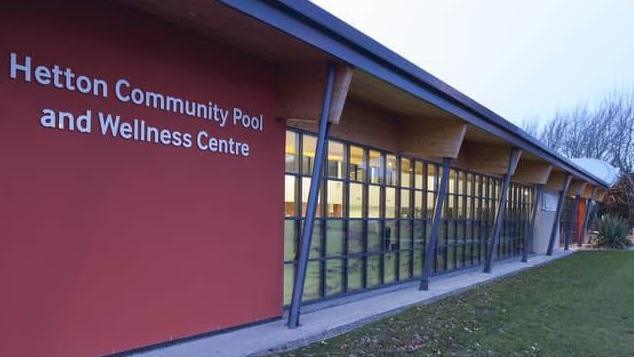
588,192
432,137
556,181
301,87
599,194
487,158
532,172
577,187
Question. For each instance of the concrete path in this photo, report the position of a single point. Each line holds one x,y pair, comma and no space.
331,321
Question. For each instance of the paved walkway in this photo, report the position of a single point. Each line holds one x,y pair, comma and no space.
328,322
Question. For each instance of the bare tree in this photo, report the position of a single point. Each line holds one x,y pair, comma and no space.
604,131
531,126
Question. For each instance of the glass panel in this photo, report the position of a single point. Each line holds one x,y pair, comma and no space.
405,207
468,231
334,237
442,234
305,192
374,201
483,250
419,209
451,207
335,198
452,181
390,202
430,204
459,256
391,170
355,274
460,235
390,238
356,200
335,160
469,207
374,236
460,208
390,268
451,258
309,144
418,174
406,172
418,262
290,204
431,177
334,276
290,241
461,183
419,235
355,236
440,259
289,277
470,184
374,270
291,160
404,265
376,167
313,281
406,234
356,166
451,232
315,242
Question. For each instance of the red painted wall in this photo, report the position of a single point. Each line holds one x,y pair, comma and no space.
108,244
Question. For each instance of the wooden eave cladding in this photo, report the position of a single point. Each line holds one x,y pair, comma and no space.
577,187
599,194
301,91
440,138
588,192
487,158
556,181
532,172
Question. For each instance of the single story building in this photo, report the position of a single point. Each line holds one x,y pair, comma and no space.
182,167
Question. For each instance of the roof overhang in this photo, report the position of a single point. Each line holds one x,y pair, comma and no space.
313,25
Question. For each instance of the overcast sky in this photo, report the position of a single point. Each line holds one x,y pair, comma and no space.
521,59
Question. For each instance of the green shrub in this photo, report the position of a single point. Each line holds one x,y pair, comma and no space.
613,232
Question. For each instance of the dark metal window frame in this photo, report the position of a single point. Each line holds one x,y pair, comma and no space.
452,244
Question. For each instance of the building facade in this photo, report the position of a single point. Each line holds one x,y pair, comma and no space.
158,160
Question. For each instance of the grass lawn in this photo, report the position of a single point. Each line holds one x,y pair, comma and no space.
582,305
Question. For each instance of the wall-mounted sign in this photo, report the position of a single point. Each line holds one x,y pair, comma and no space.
22,68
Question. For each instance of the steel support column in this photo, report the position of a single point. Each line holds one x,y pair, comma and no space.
499,217
560,204
313,194
573,222
435,225
530,237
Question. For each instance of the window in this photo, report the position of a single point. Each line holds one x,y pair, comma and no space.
374,216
